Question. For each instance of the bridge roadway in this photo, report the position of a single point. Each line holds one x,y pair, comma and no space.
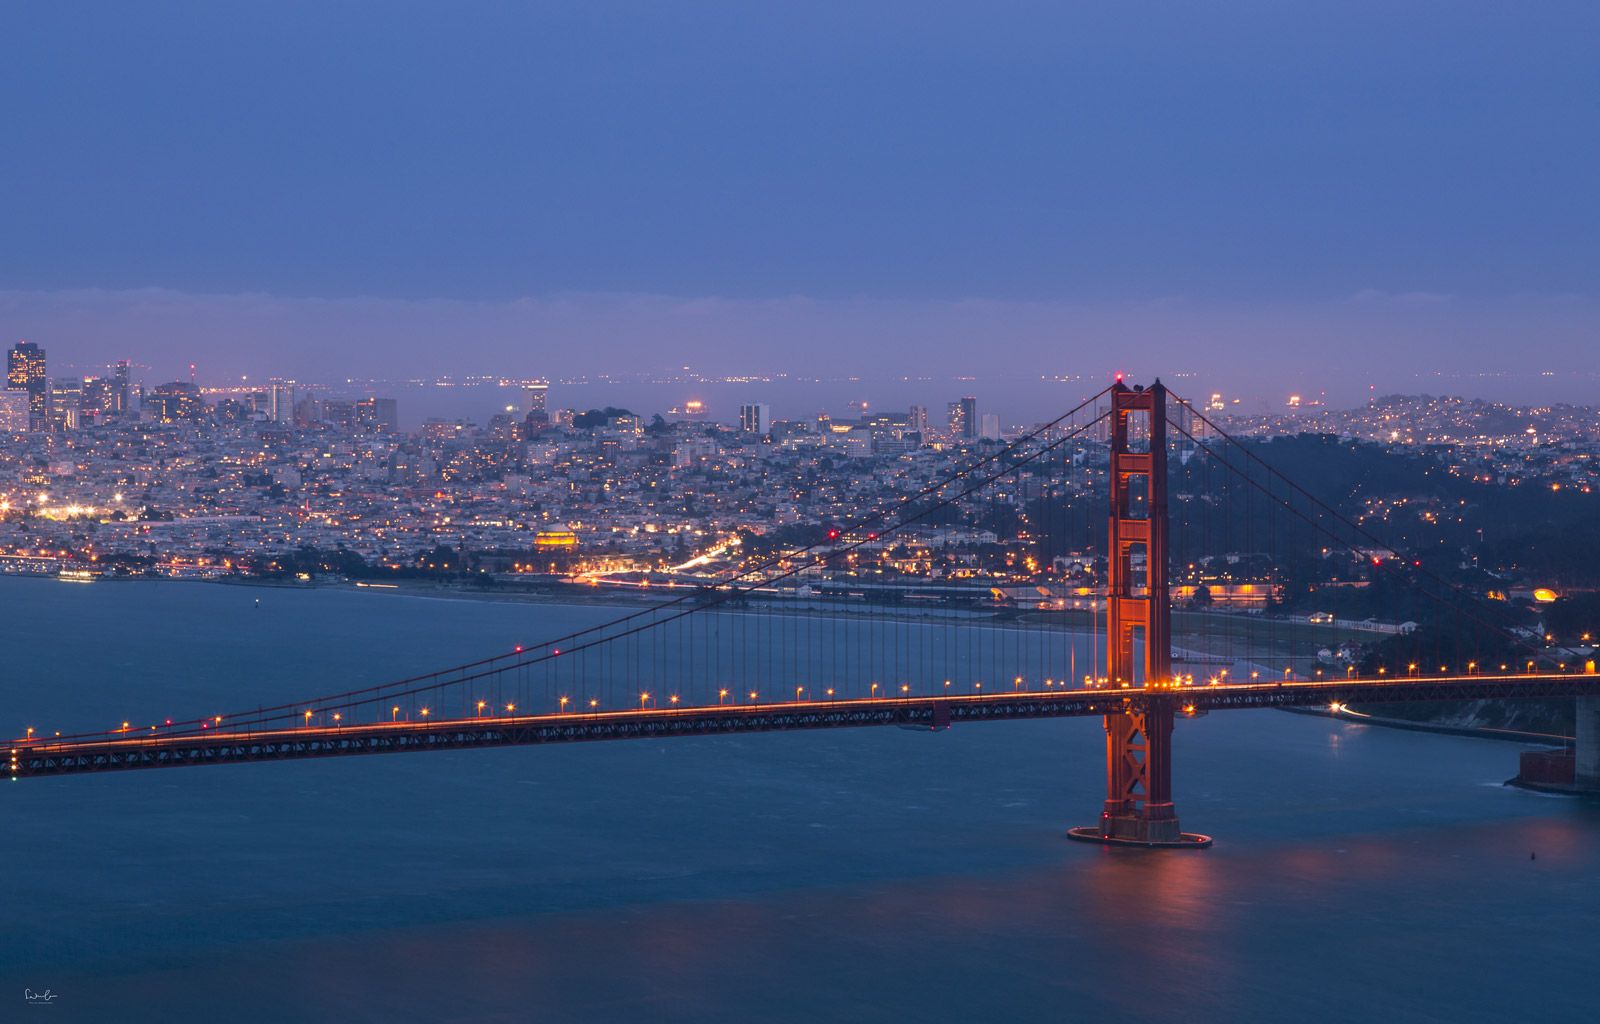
42,756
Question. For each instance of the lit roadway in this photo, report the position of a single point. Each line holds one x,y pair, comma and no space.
44,756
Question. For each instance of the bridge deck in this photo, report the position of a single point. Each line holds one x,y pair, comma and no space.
36,757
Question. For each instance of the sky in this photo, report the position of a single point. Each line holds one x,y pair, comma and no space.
1305,196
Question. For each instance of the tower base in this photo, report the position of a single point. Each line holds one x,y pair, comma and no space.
1174,840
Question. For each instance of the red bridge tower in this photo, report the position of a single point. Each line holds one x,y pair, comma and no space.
1139,809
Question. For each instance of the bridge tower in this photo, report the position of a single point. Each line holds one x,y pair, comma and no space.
1139,809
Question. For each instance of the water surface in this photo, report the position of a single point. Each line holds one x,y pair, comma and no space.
871,875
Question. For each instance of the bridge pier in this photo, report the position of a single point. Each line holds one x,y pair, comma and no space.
1139,810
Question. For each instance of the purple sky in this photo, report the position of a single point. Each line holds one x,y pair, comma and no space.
1272,197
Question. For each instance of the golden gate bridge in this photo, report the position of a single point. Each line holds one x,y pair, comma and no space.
754,650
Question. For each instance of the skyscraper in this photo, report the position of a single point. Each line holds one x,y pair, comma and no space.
534,397
99,399
755,418
121,392
964,419
381,414
25,372
66,403
280,400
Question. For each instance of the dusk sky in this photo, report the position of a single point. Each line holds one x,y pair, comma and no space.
1274,196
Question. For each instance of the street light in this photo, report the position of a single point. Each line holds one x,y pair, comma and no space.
481,705
394,713
643,698
563,703
423,712
722,695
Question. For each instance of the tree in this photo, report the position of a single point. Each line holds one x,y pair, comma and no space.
598,417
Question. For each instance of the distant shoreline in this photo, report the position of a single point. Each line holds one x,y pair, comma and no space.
577,594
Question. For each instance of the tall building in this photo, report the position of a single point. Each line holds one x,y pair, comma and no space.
121,391
99,399
280,401
66,403
25,372
989,429
963,421
533,396
755,418
13,411
919,420
381,414
892,432
307,410
337,412
175,402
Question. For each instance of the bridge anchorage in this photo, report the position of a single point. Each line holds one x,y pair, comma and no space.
1139,810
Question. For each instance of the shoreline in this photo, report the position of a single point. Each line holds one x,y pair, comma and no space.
1544,739
633,600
